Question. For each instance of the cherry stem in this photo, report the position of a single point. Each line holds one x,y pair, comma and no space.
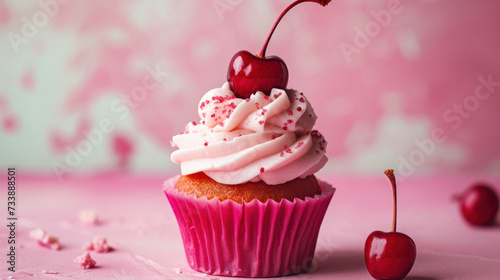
390,174
262,53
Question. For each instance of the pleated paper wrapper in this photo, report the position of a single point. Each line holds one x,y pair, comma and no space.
252,239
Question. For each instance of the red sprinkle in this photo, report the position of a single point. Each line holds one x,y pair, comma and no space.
262,170
206,143
300,144
299,109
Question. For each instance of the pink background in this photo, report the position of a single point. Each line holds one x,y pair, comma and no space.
64,66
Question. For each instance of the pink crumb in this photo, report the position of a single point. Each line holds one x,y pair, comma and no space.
88,217
99,244
85,261
45,239
89,246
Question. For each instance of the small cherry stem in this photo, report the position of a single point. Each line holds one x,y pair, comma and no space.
390,174
262,53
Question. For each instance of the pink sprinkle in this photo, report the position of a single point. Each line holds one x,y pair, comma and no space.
285,127
44,239
273,137
225,139
88,217
262,170
290,121
261,122
212,116
89,246
277,95
247,100
266,97
302,100
99,244
193,123
85,261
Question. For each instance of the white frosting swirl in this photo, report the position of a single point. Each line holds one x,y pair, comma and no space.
266,138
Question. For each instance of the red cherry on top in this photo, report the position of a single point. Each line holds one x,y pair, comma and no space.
248,73
390,255
479,205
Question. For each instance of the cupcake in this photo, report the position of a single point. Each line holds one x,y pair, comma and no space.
247,201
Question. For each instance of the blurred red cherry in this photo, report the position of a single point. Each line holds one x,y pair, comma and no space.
479,205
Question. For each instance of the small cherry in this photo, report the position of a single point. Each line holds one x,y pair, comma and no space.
390,255
479,205
248,74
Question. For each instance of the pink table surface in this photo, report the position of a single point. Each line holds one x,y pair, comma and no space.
139,223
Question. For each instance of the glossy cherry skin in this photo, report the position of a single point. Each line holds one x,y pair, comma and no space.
479,205
389,255
248,74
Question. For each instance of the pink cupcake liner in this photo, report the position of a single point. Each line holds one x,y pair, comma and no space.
252,239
